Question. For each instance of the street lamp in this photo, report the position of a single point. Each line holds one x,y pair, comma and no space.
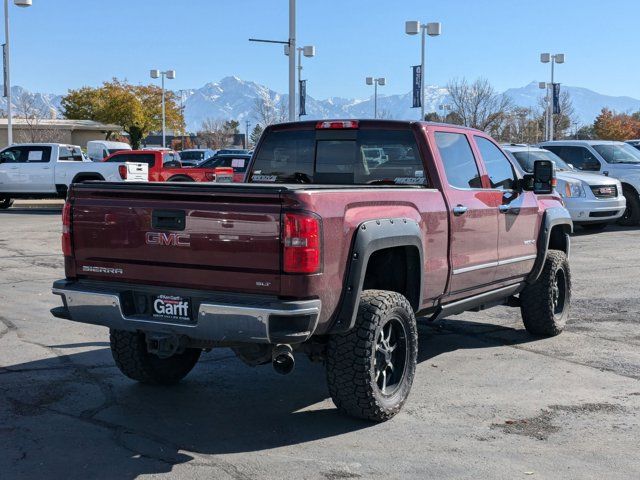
553,59
290,44
433,30
170,74
375,82
308,51
7,75
445,108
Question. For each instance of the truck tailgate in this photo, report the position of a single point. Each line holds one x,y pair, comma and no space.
137,172
182,235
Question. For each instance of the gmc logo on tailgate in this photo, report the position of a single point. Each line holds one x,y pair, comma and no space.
168,239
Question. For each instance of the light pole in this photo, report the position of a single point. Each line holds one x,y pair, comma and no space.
546,58
246,134
308,51
7,69
290,46
433,30
375,82
445,108
544,86
170,74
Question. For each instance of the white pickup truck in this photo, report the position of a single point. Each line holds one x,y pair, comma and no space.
45,170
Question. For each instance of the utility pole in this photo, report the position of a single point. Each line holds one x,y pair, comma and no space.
292,60
246,134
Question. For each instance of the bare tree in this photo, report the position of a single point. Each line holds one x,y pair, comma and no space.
267,112
477,104
215,133
34,115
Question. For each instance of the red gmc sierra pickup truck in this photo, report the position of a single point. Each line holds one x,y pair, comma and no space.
165,166
346,231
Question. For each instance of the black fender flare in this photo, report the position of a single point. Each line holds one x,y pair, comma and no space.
553,217
180,178
372,236
93,176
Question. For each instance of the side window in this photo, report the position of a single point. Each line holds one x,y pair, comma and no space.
459,162
580,158
36,154
12,155
498,167
65,153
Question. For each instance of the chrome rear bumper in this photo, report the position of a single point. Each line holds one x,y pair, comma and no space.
256,319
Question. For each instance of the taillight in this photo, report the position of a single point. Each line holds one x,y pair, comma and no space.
66,230
210,176
301,243
122,170
340,124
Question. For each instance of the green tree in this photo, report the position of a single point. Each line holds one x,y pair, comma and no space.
256,133
137,108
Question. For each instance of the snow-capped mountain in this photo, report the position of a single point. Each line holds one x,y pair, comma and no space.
47,104
233,98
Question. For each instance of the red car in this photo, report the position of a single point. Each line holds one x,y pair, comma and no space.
165,166
346,231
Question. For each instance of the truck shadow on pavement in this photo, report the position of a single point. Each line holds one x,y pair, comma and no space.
121,429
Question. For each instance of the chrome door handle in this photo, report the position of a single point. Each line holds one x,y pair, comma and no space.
509,209
459,210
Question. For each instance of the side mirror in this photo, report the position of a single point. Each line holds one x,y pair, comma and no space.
544,176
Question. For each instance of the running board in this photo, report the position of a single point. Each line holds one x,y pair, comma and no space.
485,300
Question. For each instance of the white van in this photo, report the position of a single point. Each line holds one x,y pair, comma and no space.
97,150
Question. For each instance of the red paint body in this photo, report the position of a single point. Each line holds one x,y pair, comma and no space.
158,172
235,231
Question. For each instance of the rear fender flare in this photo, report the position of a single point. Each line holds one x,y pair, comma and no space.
556,217
370,237
85,176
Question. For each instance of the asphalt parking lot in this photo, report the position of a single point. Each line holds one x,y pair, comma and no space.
489,400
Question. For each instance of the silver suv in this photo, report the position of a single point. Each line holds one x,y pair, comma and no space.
615,159
593,200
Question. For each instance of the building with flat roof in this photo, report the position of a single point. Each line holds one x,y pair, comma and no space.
74,132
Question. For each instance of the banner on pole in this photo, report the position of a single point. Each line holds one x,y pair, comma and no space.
303,97
417,86
556,98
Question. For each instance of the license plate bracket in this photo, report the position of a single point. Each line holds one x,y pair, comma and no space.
171,308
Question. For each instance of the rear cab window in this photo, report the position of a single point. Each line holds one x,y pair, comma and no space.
359,156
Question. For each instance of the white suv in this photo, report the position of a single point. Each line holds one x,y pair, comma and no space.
614,159
592,200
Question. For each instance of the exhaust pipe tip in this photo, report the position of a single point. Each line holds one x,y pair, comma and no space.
282,359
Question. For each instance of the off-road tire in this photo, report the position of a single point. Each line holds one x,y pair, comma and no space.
129,350
594,227
631,216
5,202
541,316
351,358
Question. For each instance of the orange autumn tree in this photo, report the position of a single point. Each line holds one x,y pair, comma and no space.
615,126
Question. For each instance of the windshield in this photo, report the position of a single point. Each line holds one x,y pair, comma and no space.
616,153
191,155
526,159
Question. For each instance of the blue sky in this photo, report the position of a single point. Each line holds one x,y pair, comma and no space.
61,44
